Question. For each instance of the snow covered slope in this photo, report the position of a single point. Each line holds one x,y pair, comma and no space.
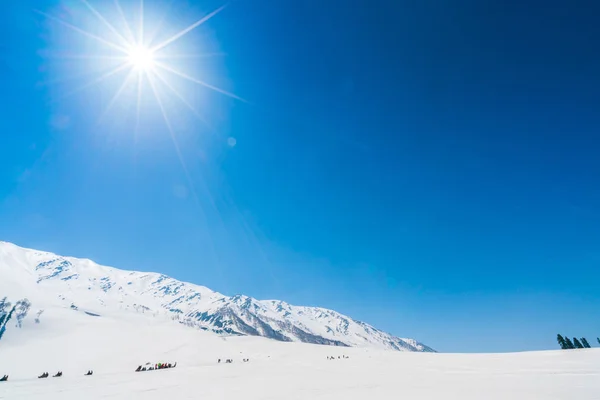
94,318
114,346
51,283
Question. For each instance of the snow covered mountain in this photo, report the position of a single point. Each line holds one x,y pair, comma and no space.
50,281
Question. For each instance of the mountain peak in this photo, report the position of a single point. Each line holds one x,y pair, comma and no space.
49,280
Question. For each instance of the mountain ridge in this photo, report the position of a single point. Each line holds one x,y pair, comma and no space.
52,280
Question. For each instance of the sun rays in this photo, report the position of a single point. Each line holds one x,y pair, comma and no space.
139,72
141,62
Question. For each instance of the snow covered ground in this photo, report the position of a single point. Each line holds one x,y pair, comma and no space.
113,347
90,321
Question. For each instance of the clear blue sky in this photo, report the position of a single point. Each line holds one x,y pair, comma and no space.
429,167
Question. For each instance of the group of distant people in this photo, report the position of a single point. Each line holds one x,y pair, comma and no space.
45,375
338,357
90,372
155,367
230,360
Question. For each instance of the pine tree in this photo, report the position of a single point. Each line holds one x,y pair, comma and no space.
22,308
561,341
577,343
569,343
5,321
585,343
4,310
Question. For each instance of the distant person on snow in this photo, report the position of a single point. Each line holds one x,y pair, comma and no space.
4,378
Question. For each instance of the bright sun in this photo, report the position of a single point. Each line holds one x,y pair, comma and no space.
141,58
147,69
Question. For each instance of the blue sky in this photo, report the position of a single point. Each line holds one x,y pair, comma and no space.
431,168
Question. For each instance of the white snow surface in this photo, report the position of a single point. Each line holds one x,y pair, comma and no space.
50,281
114,343
114,346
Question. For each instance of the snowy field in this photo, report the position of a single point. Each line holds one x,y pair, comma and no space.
103,334
114,347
